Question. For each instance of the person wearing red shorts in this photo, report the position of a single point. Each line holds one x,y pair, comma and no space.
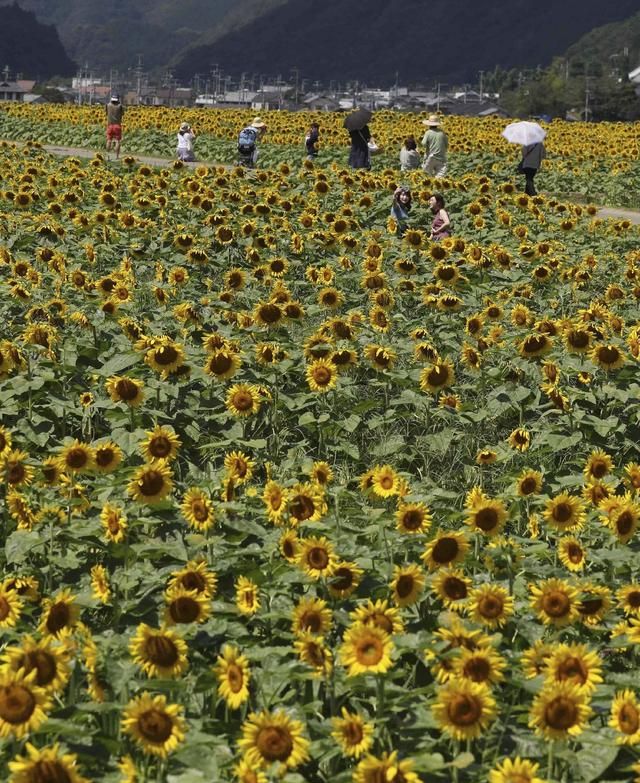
115,112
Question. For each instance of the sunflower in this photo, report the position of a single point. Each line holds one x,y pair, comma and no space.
463,709
5,436
385,482
151,483
380,615
623,520
598,465
407,584
483,665
114,523
379,357
571,553
59,613
232,671
607,357
186,606
486,457
387,768
165,356
412,518
247,596
322,375
222,364
559,711
127,390
520,439
158,652
273,737
246,772
289,546
452,587
197,509
344,579
353,734
515,770
13,468
321,473
529,482
316,557
535,345
629,599
239,466
107,456
625,717
576,664
555,602
564,512
49,660
447,549
157,727
10,607
366,649
490,605
23,704
595,602
243,400
45,765
311,616
194,576
483,514
161,444
100,587
313,651
305,503
275,499
437,376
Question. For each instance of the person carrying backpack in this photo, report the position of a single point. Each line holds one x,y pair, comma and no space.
248,142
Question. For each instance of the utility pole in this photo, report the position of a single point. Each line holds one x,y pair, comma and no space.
139,81
481,85
296,71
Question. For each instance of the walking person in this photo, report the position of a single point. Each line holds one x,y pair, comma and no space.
311,141
115,112
186,137
532,157
359,152
441,224
248,142
409,155
436,143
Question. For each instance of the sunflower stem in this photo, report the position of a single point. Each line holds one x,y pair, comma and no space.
550,752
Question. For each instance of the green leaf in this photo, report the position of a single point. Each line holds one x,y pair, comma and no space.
597,753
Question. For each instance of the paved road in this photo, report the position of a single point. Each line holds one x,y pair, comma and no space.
615,213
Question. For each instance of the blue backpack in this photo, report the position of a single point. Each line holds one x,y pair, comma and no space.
247,141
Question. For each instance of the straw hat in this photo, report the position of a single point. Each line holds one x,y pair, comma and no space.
433,121
257,122
115,99
185,126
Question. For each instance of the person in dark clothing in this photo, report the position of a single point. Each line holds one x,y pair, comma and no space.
311,141
359,152
532,157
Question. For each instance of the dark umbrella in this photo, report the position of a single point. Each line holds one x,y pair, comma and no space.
357,119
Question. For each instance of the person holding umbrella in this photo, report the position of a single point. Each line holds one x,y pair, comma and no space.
530,136
356,124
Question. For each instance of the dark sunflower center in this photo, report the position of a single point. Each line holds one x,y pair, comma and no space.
412,520
104,457
445,550
486,519
59,616
275,743
477,669
199,511
454,588
404,585
464,709
160,446
5,608
591,606
161,651
220,364
302,507
608,355
44,771
556,603
562,512
438,376
193,581
17,704
574,553
15,472
628,719
322,375
318,558
270,313
369,651
342,579
155,726
352,732
184,609
126,389
624,523
166,355
242,401
573,668
561,713
235,678
43,662
151,483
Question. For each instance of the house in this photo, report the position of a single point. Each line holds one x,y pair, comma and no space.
12,91
315,102
476,109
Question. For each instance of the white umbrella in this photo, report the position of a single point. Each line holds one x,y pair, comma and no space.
524,133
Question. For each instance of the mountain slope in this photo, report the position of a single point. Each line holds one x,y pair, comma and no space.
370,40
31,48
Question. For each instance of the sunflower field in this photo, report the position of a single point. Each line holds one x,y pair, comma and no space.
287,497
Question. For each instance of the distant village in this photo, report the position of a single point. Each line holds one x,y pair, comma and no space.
136,88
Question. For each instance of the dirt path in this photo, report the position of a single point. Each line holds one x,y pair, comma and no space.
613,213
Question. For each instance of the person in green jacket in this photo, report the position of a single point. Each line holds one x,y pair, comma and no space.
436,143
